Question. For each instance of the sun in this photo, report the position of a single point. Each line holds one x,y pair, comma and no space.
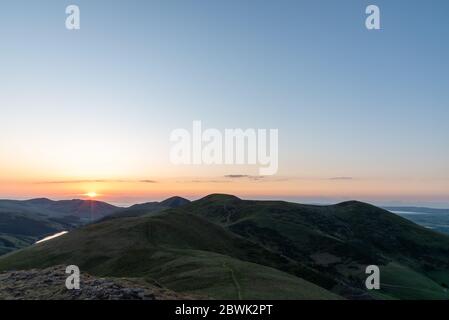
91,194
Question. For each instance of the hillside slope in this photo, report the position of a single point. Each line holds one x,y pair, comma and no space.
224,247
83,209
338,241
24,222
18,230
181,252
147,208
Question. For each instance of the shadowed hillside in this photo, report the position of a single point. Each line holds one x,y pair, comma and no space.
338,241
24,222
180,251
83,209
147,208
224,247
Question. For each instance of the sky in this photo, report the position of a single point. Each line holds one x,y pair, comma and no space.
361,114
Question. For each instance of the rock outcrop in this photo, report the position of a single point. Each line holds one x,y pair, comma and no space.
49,284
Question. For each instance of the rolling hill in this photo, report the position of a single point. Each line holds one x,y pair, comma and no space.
18,230
223,247
147,208
339,241
24,222
89,210
179,251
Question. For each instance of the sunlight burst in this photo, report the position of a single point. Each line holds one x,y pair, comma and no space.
91,194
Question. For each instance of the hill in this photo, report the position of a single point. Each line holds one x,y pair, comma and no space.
18,230
24,222
179,251
338,242
147,208
83,209
224,247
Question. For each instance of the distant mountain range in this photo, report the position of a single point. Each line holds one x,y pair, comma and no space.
83,209
147,208
223,247
24,222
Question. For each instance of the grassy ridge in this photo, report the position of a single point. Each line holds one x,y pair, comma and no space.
182,252
337,241
224,247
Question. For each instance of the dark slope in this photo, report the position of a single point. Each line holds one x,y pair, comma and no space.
175,202
180,251
226,247
147,208
18,230
24,222
83,209
337,241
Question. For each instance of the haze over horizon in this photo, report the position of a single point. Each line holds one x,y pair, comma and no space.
361,115
129,201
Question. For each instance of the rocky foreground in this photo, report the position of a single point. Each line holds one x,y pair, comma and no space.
49,284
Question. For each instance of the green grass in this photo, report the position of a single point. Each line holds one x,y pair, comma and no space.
224,247
398,280
354,234
182,252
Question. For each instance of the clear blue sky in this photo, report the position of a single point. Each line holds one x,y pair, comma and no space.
370,105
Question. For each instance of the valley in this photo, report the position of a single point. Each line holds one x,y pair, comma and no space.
223,247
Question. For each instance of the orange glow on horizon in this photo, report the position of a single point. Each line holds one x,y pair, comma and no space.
91,194
131,191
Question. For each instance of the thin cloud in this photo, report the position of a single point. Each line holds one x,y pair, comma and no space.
243,176
341,178
236,176
204,181
148,181
95,181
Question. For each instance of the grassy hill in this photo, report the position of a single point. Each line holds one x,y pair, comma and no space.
224,247
147,208
179,251
18,230
337,241
24,222
83,209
